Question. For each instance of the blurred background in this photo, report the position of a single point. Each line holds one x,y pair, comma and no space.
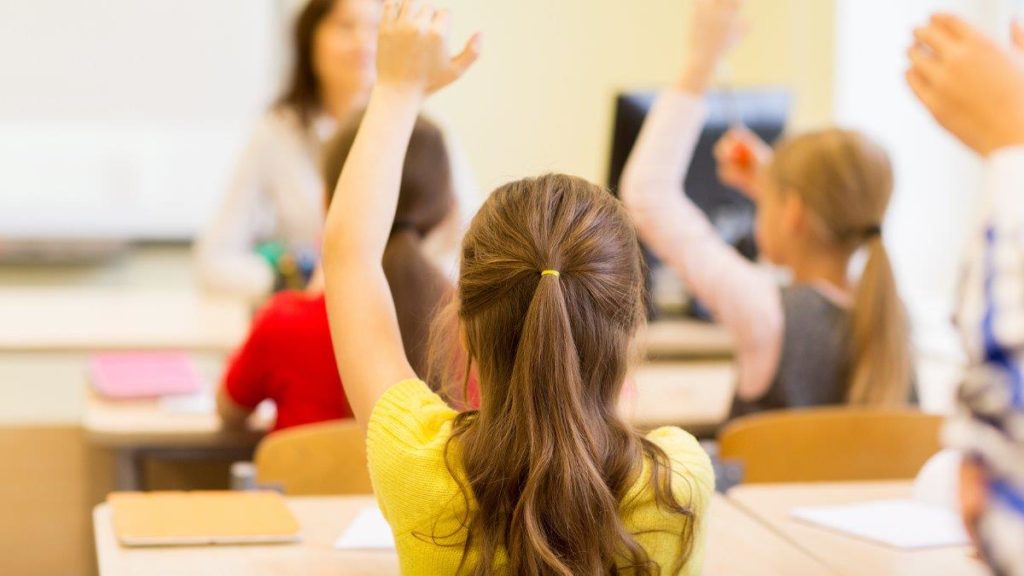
121,122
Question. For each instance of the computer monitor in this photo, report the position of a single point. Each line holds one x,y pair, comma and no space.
763,111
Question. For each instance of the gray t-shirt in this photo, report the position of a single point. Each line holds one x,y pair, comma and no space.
814,366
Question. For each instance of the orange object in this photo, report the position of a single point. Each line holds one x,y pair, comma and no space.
742,155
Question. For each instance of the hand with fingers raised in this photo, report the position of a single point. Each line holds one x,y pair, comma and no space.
715,27
413,51
972,86
741,155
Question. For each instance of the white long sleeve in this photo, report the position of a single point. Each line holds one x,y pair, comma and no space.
991,313
277,193
741,295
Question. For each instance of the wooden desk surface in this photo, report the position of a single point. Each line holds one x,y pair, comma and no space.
86,319
737,545
322,520
694,395
137,423
682,338
844,554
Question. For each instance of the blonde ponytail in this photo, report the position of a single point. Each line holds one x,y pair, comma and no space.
881,364
846,180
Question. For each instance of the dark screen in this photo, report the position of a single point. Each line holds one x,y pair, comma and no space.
762,111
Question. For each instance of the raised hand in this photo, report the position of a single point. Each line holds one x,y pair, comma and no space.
715,27
413,52
741,156
973,87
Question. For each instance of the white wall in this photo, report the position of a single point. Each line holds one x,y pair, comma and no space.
123,117
937,178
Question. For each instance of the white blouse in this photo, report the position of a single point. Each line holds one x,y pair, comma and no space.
277,193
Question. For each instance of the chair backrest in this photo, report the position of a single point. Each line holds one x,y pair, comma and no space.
831,444
317,459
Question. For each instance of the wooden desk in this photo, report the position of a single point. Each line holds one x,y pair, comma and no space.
694,395
322,520
135,429
681,338
88,319
737,545
844,554
690,394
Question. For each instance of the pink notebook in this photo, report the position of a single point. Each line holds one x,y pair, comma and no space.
144,374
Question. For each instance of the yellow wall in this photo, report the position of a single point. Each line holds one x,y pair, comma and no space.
541,98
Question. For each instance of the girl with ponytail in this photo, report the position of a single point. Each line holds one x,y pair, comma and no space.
843,182
821,198
545,478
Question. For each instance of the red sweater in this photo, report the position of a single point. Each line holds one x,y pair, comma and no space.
288,358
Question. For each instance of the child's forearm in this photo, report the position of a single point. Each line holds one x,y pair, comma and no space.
361,214
742,297
231,414
652,183
371,357
715,26
696,78
412,62
990,314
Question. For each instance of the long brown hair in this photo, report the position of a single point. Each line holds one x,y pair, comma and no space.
846,180
302,94
547,457
425,199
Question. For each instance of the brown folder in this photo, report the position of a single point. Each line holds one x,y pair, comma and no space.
199,518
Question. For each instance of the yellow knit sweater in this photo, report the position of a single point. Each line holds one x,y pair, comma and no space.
408,430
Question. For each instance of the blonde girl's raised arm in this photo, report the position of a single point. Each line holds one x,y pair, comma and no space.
740,295
412,62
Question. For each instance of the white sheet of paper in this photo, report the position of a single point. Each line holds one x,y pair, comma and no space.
198,403
266,411
902,524
369,531
204,404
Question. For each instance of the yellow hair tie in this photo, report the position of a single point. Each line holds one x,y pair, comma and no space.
554,273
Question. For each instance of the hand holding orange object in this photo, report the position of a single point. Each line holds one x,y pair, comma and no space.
741,156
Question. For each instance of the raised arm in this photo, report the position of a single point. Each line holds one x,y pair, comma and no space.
412,62
975,89
740,295
970,84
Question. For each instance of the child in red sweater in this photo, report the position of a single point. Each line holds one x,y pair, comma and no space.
287,356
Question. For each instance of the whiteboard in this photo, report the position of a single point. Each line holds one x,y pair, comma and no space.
124,118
